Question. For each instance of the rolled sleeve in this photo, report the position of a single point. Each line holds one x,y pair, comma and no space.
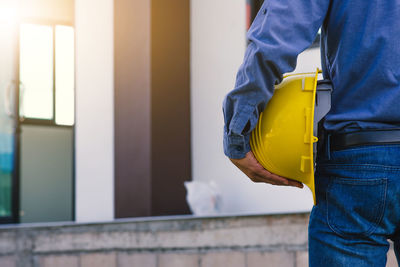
236,146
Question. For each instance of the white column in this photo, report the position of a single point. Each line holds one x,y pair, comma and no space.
94,140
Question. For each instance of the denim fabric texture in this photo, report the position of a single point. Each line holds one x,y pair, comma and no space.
360,54
357,211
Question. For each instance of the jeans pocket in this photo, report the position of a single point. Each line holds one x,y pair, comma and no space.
355,206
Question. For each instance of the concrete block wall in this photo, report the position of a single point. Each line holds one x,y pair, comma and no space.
180,241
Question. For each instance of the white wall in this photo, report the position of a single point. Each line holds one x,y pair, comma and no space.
218,45
94,110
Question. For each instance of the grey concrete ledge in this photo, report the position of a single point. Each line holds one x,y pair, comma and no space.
143,219
260,232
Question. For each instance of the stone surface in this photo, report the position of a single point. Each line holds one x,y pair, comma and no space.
58,261
8,261
196,233
98,260
275,235
219,241
7,242
263,259
137,260
221,259
178,260
302,259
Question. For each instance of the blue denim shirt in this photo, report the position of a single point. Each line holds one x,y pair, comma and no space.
360,54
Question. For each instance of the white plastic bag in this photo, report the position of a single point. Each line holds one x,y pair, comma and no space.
203,198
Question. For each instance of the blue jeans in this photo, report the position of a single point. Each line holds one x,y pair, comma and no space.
358,207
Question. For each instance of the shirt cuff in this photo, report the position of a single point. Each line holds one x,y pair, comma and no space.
236,146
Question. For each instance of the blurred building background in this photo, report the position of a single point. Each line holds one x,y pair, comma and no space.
106,108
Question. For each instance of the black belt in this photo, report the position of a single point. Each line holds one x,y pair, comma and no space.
346,140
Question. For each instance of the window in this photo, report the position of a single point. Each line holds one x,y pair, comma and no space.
47,73
36,71
65,75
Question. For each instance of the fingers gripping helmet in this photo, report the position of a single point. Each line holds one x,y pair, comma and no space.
283,140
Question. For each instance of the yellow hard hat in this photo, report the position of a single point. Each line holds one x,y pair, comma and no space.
283,139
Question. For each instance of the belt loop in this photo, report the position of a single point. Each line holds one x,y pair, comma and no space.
328,146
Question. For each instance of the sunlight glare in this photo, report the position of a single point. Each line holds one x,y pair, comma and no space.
8,14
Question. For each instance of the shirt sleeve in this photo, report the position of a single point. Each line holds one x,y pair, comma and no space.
280,32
